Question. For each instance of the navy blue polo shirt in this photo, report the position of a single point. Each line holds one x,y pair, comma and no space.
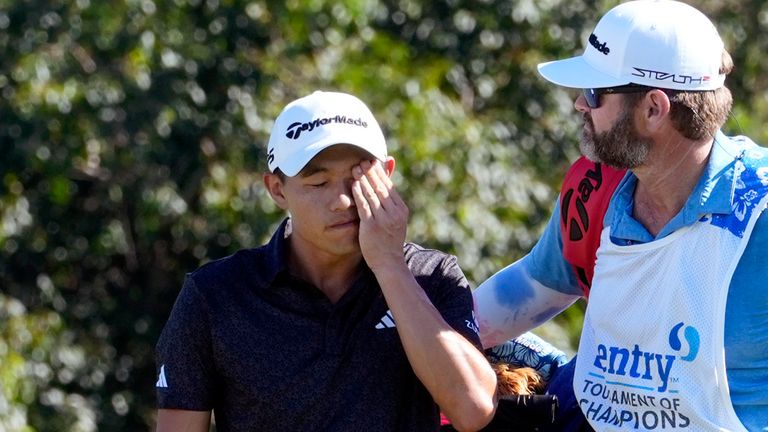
267,351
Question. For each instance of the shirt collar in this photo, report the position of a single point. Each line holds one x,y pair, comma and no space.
276,258
712,194
275,253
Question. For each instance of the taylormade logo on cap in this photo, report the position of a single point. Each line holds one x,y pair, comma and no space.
315,122
662,43
295,129
598,46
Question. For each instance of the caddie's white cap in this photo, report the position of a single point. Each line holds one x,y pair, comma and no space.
313,123
656,43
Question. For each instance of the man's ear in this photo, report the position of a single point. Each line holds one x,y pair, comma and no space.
275,187
657,107
389,165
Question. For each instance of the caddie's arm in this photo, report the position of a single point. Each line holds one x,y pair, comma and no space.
511,302
528,292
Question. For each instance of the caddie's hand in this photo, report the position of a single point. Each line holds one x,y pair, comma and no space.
383,216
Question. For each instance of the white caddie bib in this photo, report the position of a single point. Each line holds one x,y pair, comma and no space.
651,355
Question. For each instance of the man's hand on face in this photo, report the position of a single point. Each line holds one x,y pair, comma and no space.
383,216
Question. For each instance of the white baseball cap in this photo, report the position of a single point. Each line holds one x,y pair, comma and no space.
656,43
313,123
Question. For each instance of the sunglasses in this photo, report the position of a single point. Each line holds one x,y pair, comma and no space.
592,95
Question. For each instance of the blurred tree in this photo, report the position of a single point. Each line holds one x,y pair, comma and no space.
131,143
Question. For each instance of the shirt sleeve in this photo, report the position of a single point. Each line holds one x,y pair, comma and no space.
746,341
184,355
455,303
546,263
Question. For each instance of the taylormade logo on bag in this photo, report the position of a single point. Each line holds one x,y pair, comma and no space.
294,130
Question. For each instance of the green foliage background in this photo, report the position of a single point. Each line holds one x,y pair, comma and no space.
132,141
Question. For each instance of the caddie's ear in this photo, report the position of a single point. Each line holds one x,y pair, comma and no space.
656,110
276,188
389,166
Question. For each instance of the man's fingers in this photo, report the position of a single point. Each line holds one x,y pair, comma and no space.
376,186
394,200
377,170
381,184
370,193
361,203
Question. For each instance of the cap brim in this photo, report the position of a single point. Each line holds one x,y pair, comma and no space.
294,166
575,72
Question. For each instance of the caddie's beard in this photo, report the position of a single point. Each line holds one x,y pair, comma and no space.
620,147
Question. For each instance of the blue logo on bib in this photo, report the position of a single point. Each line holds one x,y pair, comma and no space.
638,364
691,336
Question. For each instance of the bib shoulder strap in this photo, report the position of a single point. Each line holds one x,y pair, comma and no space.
587,190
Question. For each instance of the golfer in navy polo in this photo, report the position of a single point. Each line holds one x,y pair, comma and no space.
336,324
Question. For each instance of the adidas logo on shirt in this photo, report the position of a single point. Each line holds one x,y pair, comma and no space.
386,321
161,382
